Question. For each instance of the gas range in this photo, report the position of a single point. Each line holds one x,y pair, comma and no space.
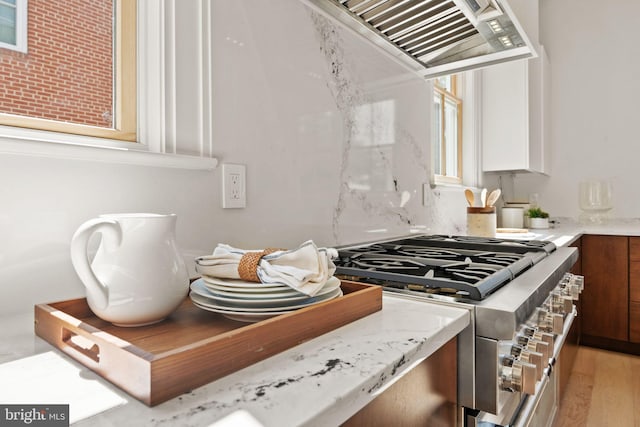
462,267
521,301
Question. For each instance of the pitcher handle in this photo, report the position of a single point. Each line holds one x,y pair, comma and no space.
111,239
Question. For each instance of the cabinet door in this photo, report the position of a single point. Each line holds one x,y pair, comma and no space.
634,322
634,269
515,116
634,289
605,299
505,117
424,396
577,267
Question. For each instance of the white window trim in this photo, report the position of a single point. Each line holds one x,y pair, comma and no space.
157,142
31,142
472,129
471,122
21,28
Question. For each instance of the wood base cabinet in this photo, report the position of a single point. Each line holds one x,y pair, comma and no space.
610,302
605,299
634,289
424,396
634,322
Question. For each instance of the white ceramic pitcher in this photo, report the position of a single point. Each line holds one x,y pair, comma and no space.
137,277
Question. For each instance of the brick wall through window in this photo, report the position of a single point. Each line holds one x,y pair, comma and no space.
67,73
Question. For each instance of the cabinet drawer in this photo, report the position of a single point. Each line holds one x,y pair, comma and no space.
634,322
634,281
634,248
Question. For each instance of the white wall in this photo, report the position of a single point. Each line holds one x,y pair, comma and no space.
334,136
593,51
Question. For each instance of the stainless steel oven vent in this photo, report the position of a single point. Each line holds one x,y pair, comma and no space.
435,37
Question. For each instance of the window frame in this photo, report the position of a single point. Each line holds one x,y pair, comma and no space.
21,28
125,86
453,96
158,142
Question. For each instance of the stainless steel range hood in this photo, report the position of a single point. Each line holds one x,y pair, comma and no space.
435,37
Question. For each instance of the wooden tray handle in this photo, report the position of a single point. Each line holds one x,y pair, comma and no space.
81,344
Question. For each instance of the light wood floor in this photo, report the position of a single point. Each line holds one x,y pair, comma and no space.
603,390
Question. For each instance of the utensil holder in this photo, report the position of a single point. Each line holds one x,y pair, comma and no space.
481,222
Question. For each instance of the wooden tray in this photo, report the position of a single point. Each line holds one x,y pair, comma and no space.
192,347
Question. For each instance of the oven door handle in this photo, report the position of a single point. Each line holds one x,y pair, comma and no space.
560,339
530,405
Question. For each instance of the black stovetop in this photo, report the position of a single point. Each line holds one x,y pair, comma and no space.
460,266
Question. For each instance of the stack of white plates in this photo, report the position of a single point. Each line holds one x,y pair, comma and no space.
251,301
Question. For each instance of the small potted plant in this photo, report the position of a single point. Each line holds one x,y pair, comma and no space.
538,218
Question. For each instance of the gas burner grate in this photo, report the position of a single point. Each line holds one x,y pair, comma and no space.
425,252
472,280
468,266
477,243
386,264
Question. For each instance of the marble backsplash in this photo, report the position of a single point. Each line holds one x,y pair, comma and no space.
357,121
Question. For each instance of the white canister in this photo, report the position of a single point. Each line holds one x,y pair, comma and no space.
481,221
512,217
539,222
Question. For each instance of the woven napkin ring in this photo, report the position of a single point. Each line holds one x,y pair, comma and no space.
248,266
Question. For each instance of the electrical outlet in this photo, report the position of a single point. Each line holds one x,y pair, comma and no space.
234,186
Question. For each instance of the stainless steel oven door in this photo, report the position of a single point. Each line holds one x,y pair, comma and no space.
539,410
526,411
536,410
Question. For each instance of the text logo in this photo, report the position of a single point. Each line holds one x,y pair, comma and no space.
34,415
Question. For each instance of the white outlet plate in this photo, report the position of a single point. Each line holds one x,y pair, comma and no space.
234,189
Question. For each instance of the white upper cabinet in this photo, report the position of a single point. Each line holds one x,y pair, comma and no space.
515,110
515,116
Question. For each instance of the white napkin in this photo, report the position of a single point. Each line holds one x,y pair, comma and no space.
305,269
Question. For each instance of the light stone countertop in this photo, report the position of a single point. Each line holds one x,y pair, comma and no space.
565,231
321,382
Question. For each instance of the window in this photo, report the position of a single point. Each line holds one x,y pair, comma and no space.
78,74
447,129
13,25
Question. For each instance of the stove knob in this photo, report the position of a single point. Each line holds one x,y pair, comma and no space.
555,323
535,358
522,340
517,376
515,350
542,348
539,341
526,353
535,346
550,322
546,338
567,304
524,377
560,303
528,330
572,292
572,285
